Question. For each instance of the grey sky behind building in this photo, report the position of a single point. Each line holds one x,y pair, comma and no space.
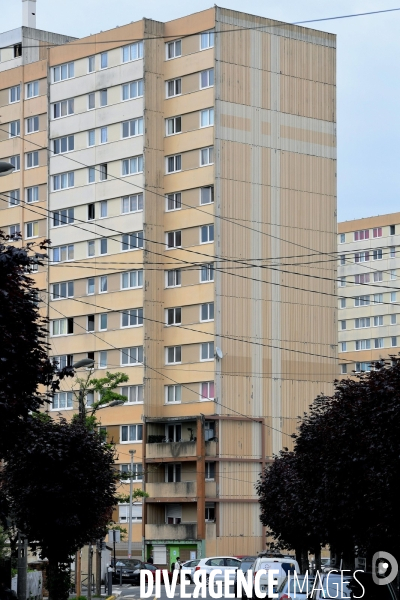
368,76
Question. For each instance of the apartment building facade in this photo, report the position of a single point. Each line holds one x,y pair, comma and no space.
368,310
191,180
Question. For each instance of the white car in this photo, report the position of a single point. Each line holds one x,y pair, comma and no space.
223,563
189,567
283,564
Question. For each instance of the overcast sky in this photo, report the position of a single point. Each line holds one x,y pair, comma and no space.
368,73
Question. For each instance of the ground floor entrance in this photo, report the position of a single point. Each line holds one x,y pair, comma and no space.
166,553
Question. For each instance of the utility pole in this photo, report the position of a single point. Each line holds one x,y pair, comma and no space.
98,567
132,453
89,587
78,574
22,566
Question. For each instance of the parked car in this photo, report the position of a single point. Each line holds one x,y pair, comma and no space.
246,563
283,564
189,567
129,568
352,587
223,563
289,588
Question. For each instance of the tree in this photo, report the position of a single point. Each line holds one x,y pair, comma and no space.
61,487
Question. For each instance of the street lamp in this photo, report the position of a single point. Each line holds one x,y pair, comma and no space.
85,362
6,168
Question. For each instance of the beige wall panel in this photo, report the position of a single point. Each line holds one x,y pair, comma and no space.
305,135
11,182
235,122
238,479
240,439
234,546
237,161
194,178
189,513
184,142
307,61
190,121
35,176
236,48
266,90
42,87
37,106
191,277
179,336
37,140
195,101
191,160
190,44
190,236
178,218
199,21
191,353
191,314
4,97
235,84
307,98
308,173
193,63
239,520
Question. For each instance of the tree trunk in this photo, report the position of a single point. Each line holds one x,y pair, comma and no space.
58,580
304,560
318,557
298,555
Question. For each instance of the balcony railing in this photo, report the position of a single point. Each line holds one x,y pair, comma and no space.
170,449
183,531
181,489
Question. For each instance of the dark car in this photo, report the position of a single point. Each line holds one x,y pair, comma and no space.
130,568
245,564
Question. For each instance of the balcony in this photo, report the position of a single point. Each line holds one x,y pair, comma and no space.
211,448
163,531
211,489
183,489
173,450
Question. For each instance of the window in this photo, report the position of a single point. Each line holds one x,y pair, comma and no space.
361,301
103,359
132,90
174,355
63,253
342,259
90,323
32,124
377,254
131,433
132,52
343,325
132,318
342,238
393,319
392,229
378,276
132,241
32,194
63,181
103,60
91,137
103,135
206,234
392,250
62,290
14,129
103,97
207,312
361,278
137,510
133,393
206,156
62,400
13,198
207,390
207,272
14,231
132,128
343,346
174,432
132,356
363,344
378,343
62,72
103,246
32,89
210,471
136,475
206,40
63,108
90,286
378,321
173,125
91,64
206,195
173,514
174,316
91,176
63,217
90,248
378,298
393,274
343,369
103,172
173,473
207,117
62,327
174,201
173,394
210,513
174,87
394,341
131,166
15,94
103,284
361,235
103,209
206,78
16,162
392,296
174,49
32,159
361,257
174,239
64,144
103,320
173,278
132,279
174,163
362,367
66,360
89,398
377,232
207,351
363,322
